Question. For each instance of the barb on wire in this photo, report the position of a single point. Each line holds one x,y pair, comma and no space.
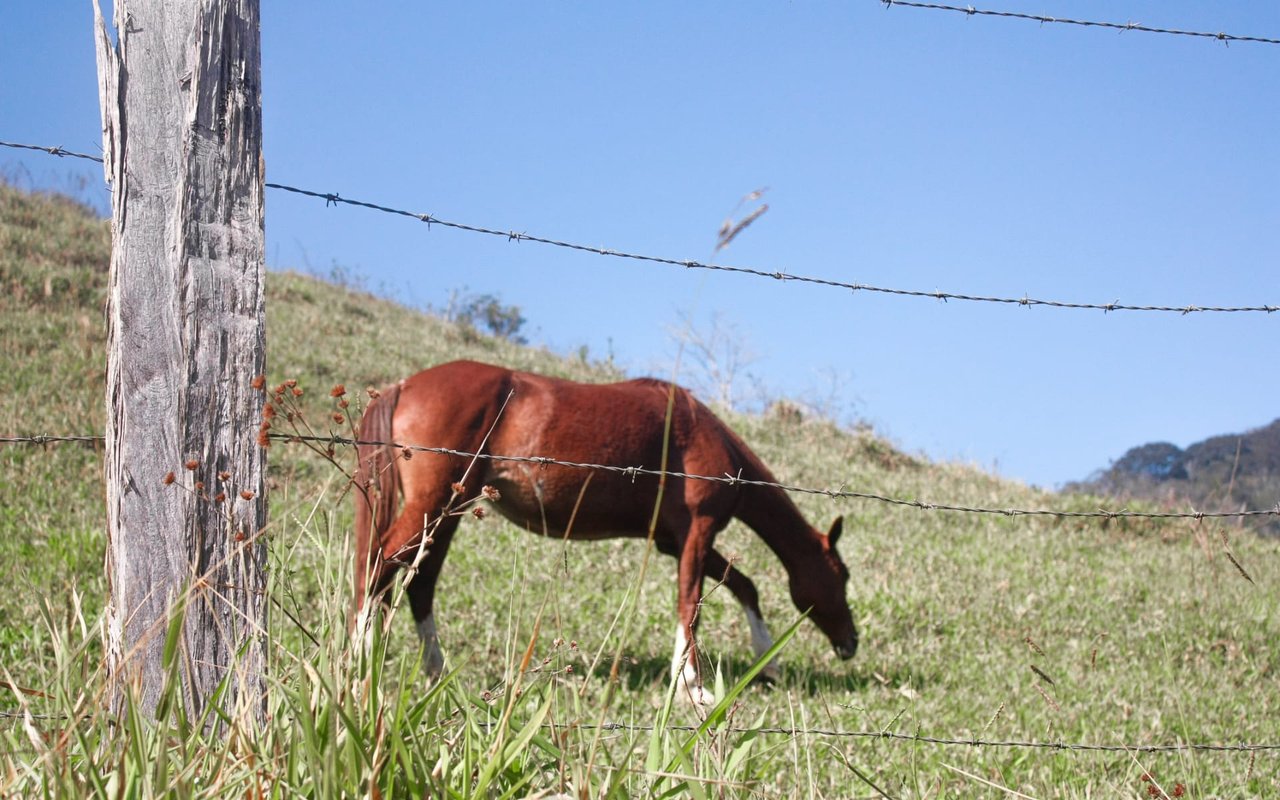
735,480
1118,26
936,740
333,198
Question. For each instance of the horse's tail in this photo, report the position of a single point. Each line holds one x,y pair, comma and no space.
377,488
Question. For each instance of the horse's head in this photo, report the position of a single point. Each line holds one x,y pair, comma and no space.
820,590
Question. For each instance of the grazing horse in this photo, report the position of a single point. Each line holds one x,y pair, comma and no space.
473,408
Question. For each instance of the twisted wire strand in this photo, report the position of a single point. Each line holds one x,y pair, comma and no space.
1119,26
43,439
53,151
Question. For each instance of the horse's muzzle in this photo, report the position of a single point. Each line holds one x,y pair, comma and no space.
846,650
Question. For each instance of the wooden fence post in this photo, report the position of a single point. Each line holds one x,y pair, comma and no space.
182,140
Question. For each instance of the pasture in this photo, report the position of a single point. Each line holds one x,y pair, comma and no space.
1030,635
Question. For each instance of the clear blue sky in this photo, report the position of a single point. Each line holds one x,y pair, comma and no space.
903,148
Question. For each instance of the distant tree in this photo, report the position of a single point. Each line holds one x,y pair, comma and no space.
487,312
1159,461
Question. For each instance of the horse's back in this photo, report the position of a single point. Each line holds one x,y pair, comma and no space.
460,403
469,406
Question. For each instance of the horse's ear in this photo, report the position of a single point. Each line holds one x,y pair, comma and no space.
837,528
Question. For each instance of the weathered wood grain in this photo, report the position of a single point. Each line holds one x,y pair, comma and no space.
182,137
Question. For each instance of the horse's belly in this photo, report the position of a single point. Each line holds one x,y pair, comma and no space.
555,500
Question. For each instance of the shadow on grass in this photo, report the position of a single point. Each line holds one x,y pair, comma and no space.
647,673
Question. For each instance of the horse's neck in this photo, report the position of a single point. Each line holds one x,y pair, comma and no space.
771,514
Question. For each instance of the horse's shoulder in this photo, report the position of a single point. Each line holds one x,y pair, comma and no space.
463,365
656,387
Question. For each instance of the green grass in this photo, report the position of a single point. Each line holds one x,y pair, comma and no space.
1148,632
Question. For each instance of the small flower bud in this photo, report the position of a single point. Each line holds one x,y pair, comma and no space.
169,478
246,494
338,391
259,381
191,464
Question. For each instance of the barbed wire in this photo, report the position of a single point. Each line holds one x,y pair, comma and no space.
634,472
334,199
24,715
732,480
827,733
944,741
41,439
514,236
1119,26
53,151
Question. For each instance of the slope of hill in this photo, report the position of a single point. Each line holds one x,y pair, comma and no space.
1223,473
974,626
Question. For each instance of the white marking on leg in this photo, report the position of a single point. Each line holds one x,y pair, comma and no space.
432,657
688,683
761,641
362,630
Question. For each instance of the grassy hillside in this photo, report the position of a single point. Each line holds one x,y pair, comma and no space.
974,626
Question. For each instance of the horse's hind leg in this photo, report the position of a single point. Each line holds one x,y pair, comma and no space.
422,592
406,549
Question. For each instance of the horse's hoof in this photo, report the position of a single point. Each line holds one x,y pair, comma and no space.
695,694
701,696
770,675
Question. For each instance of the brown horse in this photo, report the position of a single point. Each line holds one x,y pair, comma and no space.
471,407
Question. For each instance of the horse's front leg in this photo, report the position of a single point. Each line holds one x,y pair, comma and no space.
744,591
684,662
